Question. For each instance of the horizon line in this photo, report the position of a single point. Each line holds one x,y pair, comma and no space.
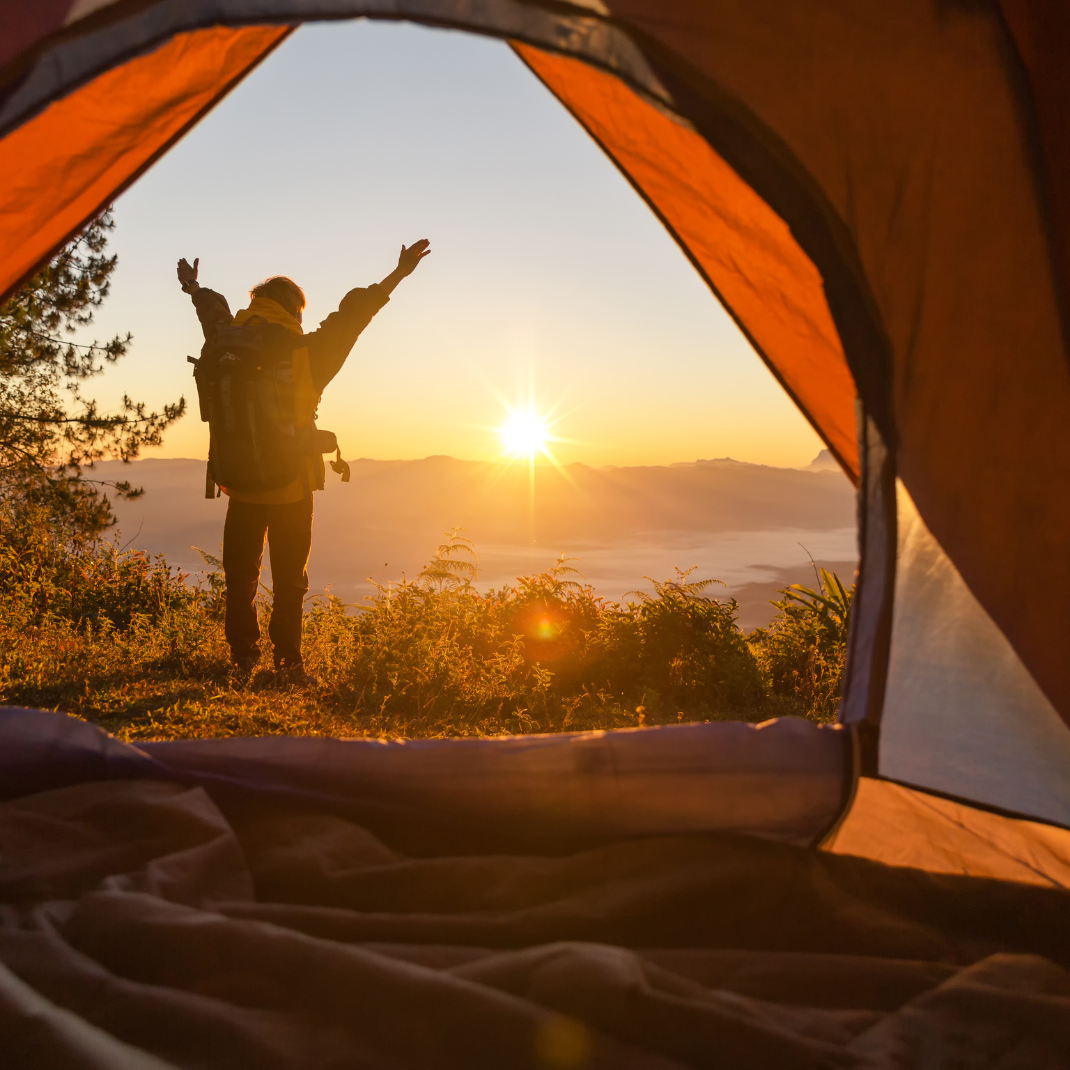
546,465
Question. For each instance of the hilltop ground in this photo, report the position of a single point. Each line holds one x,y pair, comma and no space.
133,645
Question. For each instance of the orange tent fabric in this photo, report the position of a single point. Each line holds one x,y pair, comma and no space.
1041,31
909,126
736,242
88,147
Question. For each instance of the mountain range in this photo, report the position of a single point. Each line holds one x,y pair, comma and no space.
751,526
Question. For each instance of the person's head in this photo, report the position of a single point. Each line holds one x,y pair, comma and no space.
284,291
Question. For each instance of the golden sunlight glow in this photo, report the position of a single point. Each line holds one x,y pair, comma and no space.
525,433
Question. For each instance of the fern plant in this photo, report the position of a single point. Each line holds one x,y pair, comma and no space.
454,565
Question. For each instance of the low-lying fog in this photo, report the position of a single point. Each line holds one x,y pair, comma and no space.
748,525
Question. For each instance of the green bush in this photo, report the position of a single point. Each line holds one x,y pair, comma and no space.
682,648
544,654
50,570
126,641
802,651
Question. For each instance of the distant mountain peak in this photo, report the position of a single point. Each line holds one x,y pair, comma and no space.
823,462
710,463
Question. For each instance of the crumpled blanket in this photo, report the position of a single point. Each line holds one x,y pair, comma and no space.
145,923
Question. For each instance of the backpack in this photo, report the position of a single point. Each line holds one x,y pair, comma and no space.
245,385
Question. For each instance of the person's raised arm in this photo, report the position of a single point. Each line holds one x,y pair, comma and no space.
212,308
187,275
329,346
410,256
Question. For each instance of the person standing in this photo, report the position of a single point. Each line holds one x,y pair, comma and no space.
270,475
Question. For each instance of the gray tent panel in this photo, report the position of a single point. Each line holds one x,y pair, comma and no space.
962,714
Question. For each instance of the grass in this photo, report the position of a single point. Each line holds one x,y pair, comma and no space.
130,644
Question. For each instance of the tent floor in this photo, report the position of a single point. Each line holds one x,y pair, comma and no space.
146,922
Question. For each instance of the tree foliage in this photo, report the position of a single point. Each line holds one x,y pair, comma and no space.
50,432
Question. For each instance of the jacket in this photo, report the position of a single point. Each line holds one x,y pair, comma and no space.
324,352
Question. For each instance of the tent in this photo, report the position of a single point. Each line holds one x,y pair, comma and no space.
879,194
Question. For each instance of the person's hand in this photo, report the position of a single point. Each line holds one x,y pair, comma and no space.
411,255
186,273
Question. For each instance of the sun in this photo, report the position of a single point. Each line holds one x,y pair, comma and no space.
525,433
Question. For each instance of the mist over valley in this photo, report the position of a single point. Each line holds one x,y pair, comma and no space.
745,524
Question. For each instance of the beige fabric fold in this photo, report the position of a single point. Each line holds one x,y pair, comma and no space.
147,925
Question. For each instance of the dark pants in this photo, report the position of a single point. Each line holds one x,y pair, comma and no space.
289,536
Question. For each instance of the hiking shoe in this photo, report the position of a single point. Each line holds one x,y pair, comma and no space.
246,665
295,676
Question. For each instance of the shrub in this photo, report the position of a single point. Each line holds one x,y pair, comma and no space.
541,655
682,648
126,641
50,569
802,651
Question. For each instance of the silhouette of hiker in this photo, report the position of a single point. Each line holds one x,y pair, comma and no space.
260,379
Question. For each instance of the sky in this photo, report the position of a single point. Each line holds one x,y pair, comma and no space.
549,279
